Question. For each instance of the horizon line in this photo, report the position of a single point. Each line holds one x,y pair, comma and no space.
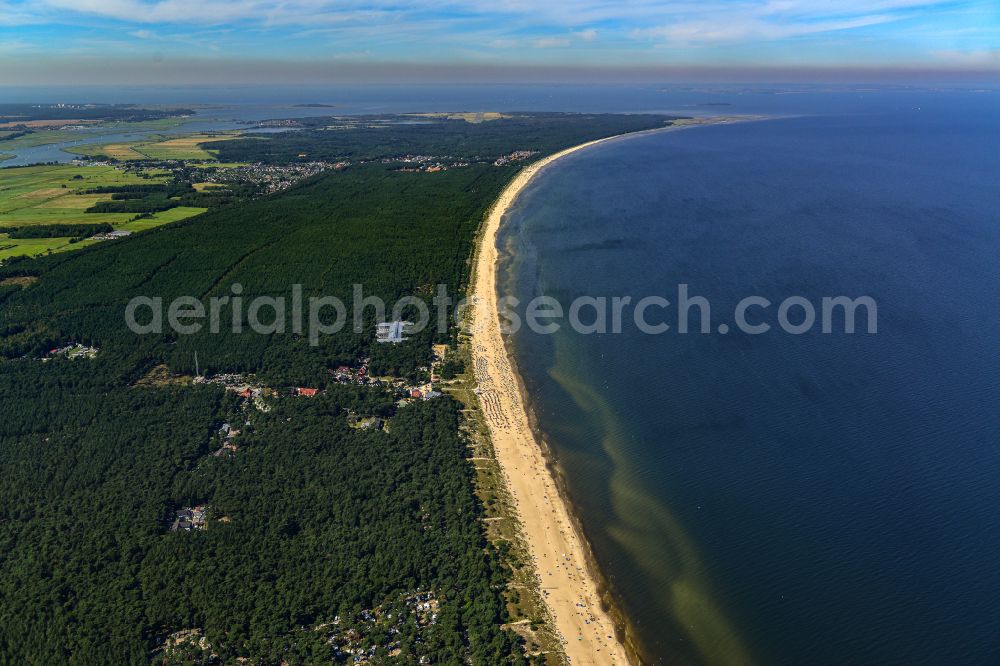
159,72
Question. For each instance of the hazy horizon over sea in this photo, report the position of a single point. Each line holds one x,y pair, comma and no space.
782,499
232,107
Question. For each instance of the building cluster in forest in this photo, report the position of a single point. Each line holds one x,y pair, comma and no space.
190,518
516,156
71,351
400,625
270,178
112,235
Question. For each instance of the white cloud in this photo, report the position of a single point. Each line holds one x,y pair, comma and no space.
840,7
550,42
747,29
15,45
505,43
975,58
14,15
470,28
777,16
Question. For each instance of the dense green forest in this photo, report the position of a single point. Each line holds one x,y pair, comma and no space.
396,234
57,230
381,137
321,541
155,198
310,520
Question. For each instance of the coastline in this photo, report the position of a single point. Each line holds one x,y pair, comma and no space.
589,622
610,604
571,586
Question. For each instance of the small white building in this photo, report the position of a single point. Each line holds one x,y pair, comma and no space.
111,235
392,331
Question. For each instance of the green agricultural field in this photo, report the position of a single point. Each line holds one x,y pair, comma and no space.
157,147
160,218
16,181
32,247
217,165
49,194
180,148
52,194
118,151
51,215
203,187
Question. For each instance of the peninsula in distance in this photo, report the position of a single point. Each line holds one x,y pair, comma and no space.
415,334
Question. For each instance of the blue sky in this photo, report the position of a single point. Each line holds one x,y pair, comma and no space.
642,33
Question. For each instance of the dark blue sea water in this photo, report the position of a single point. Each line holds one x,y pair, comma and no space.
777,498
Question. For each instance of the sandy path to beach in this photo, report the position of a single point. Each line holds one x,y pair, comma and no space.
556,549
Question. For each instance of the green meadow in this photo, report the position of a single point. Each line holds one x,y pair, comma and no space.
157,147
49,194
56,194
162,217
32,247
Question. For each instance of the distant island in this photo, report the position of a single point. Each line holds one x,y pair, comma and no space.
44,115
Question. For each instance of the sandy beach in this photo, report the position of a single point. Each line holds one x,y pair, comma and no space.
557,550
